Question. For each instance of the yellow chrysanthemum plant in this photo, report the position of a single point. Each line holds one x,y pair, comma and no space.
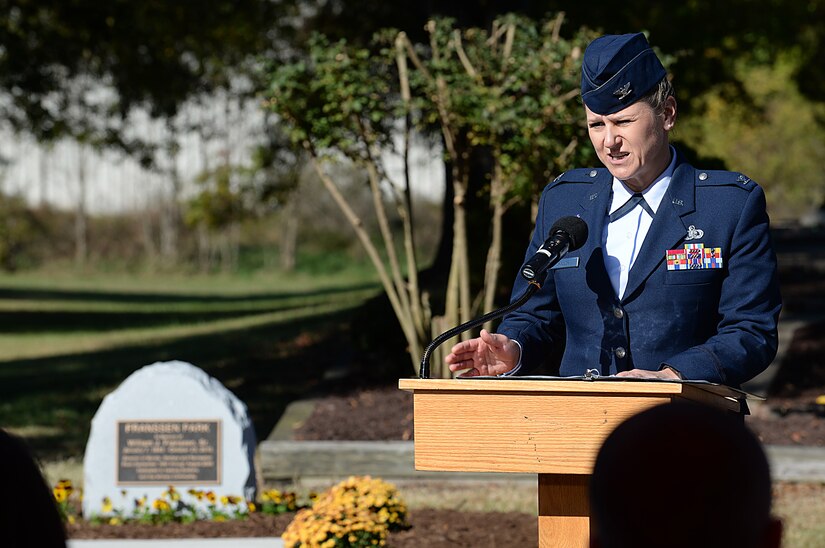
357,512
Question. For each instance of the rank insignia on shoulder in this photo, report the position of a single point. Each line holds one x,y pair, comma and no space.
694,257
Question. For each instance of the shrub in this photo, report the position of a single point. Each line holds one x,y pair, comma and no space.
359,511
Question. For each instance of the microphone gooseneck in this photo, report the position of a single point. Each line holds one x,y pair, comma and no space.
568,234
424,370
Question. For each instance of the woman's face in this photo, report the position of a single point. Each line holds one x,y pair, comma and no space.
633,143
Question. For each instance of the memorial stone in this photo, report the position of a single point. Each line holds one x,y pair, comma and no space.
168,424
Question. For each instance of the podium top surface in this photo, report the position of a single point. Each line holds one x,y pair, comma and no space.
602,385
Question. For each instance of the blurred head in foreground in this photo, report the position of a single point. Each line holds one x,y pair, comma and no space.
28,513
682,475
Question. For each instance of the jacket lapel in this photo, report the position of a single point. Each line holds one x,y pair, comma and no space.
668,228
593,211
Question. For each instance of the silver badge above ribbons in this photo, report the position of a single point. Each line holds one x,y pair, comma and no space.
694,233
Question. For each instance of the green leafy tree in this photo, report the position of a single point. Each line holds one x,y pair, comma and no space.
79,68
509,93
21,232
767,130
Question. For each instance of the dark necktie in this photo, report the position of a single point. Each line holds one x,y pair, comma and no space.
636,199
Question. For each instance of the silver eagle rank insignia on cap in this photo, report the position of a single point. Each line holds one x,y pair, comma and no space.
623,91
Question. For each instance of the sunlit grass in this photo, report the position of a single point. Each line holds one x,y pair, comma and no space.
67,339
28,346
45,344
802,509
63,312
192,283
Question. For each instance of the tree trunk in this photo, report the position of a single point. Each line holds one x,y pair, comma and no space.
403,316
289,236
81,250
147,238
171,218
493,265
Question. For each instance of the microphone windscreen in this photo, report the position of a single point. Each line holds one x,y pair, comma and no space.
573,227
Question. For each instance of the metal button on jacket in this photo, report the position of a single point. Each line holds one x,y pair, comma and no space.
618,312
620,352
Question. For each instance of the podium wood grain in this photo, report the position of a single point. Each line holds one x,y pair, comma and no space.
550,428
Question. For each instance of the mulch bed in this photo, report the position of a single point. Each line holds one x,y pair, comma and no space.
431,528
793,417
256,525
363,414
790,416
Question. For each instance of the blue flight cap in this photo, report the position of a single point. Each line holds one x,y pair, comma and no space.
617,71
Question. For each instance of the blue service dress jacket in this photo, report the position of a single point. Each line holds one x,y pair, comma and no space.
702,296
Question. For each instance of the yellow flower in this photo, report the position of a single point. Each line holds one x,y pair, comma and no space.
210,496
161,505
107,505
60,495
250,506
173,494
114,521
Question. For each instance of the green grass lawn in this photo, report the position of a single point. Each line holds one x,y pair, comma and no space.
68,339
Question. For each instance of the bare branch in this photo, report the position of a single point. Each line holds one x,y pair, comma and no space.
496,34
358,225
557,26
403,73
568,150
508,41
465,61
441,89
402,36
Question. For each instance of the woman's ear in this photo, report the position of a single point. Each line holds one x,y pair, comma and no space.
669,113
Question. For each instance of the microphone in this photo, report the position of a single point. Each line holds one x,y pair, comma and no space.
567,234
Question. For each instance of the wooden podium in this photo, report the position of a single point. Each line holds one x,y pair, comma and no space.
552,428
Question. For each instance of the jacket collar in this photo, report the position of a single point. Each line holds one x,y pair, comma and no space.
667,231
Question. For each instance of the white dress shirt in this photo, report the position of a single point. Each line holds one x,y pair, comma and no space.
623,237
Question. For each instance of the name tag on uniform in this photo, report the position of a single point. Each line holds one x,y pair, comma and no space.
694,257
567,262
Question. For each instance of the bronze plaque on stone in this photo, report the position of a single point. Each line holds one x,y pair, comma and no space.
168,452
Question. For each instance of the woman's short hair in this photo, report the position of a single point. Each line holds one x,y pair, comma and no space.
657,96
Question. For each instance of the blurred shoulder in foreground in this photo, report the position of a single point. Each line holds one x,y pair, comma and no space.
682,475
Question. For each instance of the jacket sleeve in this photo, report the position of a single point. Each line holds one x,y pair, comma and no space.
538,325
745,342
